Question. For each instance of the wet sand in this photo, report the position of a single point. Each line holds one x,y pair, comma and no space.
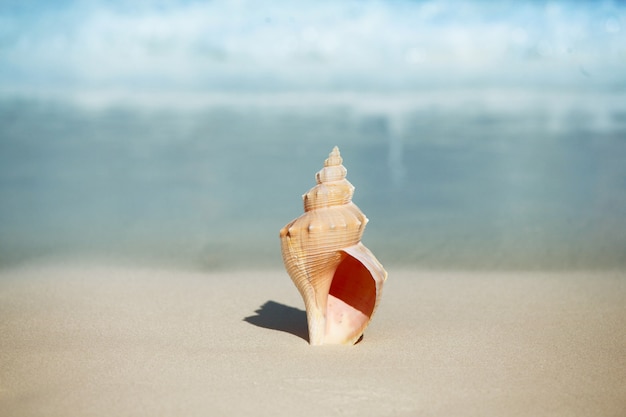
86,339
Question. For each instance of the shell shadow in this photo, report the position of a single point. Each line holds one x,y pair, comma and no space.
277,316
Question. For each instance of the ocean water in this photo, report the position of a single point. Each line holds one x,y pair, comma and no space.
476,135
444,185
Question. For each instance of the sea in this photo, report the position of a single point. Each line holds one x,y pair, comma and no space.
185,134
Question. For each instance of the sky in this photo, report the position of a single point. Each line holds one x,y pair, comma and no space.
309,45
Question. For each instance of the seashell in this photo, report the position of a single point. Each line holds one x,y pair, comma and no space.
339,279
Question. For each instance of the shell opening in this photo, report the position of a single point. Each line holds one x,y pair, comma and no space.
351,300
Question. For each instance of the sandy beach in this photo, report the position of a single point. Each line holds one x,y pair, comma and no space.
92,340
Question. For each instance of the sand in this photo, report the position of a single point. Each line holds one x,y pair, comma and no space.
93,340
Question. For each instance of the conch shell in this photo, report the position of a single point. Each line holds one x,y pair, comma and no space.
339,279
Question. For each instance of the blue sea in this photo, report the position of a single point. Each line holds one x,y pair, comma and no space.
478,136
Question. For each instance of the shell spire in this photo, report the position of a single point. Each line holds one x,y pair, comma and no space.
339,279
333,168
332,189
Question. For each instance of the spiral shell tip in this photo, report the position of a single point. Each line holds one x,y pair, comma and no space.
334,158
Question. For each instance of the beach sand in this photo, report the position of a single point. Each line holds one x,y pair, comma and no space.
92,340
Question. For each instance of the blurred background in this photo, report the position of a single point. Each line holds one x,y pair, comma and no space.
478,135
